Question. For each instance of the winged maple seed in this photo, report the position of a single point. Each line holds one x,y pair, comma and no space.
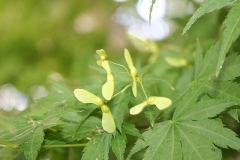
133,71
84,96
108,87
160,102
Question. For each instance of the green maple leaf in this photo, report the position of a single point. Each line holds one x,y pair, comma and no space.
130,129
29,137
187,99
119,106
118,145
73,132
98,147
62,94
207,66
224,90
95,148
188,139
206,109
32,144
231,32
235,113
198,59
191,135
108,138
230,68
214,131
206,7
29,133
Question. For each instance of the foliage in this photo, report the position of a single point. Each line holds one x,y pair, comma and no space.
104,121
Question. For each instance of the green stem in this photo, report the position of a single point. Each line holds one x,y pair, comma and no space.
64,145
121,66
3,146
122,90
161,81
50,146
143,89
9,146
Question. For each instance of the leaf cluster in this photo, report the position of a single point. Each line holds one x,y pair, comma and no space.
192,128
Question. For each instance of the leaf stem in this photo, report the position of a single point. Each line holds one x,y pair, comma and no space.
64,145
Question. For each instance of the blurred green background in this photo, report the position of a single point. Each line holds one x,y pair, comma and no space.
57,39
43,37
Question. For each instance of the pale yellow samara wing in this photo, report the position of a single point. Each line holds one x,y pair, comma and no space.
128,59
176,62
108,123
134,87
102,54
108,87
99,62
138,108
106,66
161,102
133,71
87,97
